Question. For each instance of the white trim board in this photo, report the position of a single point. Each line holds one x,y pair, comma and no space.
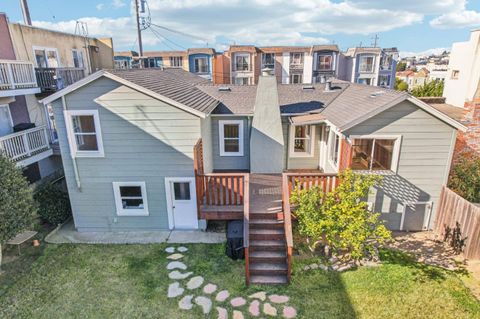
134,86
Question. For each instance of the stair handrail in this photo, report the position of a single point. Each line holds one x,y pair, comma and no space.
287,217
246,222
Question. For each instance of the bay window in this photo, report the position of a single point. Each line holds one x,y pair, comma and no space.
324,62
366,64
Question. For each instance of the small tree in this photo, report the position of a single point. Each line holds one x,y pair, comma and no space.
400,85
401,66
465,177
340,220
17,207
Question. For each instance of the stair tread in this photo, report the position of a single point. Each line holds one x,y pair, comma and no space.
268,254
267,243
267,231
266,221
268,266
263,279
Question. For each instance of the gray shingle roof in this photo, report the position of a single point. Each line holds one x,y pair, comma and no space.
175,84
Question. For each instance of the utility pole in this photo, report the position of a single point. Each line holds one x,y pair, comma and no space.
375,40
26,12
140,46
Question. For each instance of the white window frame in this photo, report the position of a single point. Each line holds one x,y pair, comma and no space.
45,49
396,147
221,125
79,55
293,57
291,147
330,145
249,62
195,59
176,61
360,64
71,134
319,64
292,77
118,199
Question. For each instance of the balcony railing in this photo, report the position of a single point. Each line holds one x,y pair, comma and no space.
21,145
54,79
16,75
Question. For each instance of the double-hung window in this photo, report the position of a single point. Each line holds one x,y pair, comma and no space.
130,198
333,147
231,137
201,65
366,64
77,58
242,62
324,62
375,154
84,133
268,61
46,57
296,59
302,140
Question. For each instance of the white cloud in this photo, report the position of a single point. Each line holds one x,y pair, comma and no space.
266,22
99,6
118,4
461,19
435,51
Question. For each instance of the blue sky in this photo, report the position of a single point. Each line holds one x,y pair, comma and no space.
414,26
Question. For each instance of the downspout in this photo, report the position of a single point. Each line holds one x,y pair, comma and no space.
72,155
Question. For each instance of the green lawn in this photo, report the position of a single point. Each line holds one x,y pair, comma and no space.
130,281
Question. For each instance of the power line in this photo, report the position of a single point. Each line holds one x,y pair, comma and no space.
161,38
178,32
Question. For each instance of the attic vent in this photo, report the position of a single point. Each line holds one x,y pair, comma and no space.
378,93
308,87
224,89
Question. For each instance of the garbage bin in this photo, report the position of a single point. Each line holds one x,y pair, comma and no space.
235,239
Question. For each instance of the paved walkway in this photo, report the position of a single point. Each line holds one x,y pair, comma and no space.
67,234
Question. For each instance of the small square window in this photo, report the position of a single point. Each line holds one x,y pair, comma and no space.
130,198
181,190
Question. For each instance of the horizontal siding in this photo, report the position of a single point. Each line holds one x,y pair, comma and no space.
230,162
423,164
144,140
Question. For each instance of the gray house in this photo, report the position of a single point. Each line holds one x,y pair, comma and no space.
166,149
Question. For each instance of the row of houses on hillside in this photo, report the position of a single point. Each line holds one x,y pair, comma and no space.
35,63
242,64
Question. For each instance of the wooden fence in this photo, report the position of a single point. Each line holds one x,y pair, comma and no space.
453,208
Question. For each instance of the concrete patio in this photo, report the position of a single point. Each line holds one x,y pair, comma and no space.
67,234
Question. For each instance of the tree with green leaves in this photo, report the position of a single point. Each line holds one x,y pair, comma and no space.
339,221
465,177
432,88
401,66
400,85
17,207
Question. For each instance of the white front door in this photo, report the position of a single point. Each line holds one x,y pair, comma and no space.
181,202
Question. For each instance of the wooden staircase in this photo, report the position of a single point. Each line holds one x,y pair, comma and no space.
267,252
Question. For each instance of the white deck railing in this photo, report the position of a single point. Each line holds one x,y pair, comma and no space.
21,145
15,75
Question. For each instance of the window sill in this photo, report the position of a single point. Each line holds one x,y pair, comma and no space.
133,213
231,154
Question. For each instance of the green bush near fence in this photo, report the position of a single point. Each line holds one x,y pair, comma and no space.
465,178
53,204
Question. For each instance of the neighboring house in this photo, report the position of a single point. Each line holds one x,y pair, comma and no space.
388,66
462,89
420,78
201,62
363,65
326,63
167,59
127,140
35,63
245,62
406,76
126,60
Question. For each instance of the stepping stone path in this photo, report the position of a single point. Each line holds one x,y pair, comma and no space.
178,275
238,302
170,250
269,310
256,307
278,299
174,290
186,302
176,265
209,289
175,257
222,296
222,313
262,295
195,282
205,303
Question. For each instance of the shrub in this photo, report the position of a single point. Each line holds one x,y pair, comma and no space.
340,220
465,177
17,207
432,88
53,204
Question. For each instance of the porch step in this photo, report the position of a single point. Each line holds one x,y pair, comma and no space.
268,257
268,269
267,234
267,215
267,245
268,280
266,224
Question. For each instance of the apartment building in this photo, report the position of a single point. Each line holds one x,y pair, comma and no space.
245,63
35,63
